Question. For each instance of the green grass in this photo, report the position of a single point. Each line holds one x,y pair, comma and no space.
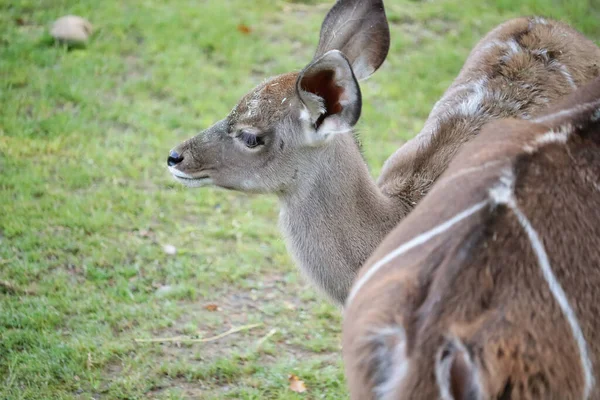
86,203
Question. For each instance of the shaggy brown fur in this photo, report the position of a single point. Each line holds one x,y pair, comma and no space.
489,288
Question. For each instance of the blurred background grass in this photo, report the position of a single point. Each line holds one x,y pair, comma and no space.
87,206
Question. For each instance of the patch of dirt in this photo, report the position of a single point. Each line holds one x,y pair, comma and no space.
236,308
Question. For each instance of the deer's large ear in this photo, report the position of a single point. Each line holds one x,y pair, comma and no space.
456,373
359,29
330,92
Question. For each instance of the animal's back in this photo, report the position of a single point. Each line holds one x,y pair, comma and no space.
517,70
492,291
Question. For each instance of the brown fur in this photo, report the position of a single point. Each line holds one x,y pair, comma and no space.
475,294
518,86
333,214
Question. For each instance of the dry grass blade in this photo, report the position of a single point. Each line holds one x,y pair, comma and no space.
185,339
10,288
262,340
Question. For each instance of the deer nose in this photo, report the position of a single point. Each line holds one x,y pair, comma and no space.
174,158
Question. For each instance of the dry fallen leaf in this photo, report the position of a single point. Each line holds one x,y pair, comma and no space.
144,233
296,385
245,29
211,307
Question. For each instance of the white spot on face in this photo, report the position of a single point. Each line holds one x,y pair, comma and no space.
284,99
189,180
195,183
305,115
253,106
253,103
307,125
179,174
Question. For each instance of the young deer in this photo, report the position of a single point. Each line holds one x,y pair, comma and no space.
292,135
489,288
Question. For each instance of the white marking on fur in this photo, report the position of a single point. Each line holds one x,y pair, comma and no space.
443,367
472,104
491,44
284,99
400,363
565,73
559,295
179,174
414,242
513,47
561,135
539,20
196,183
503,191
253,103
596,116
189,180
503,196
305,115
567,112
478,87
510,45
467,171
442,375
328,128
542,53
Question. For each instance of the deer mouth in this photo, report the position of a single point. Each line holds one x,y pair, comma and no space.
190,180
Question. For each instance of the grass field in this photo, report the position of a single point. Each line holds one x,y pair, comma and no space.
87,205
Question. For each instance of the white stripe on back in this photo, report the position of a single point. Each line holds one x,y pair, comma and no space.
417,241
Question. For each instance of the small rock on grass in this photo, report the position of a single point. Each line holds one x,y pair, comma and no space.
170,249
71,29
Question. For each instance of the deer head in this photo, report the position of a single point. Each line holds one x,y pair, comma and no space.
280,127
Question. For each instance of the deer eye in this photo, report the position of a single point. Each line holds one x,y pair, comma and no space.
250,140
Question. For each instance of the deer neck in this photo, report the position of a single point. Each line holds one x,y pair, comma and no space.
335,216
